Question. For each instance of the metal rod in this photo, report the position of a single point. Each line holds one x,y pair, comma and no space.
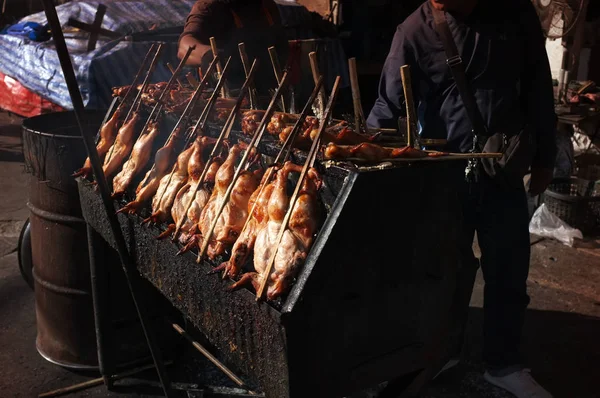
215,51
277,70
201,120
98,285
410,104
137,77
210,357
255,140
145,82
172,70
191,80
186,113
246,64
128,267
314,66
224,131
137,98
359,117
286,148
96,382
310,160
169,84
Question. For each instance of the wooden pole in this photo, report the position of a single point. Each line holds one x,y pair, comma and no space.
278,72
410,105
215,51
359,117
246,64
314,66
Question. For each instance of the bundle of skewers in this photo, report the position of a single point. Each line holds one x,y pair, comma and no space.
213,193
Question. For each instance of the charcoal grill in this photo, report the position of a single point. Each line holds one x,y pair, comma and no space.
372,302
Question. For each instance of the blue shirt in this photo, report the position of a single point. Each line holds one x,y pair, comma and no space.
503,49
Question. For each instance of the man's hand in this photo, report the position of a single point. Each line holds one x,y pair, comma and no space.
195,58
540,179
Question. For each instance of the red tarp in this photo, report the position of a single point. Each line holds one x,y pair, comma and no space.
17,99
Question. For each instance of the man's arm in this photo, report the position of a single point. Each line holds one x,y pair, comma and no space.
536,90
389,105
208,18
538,100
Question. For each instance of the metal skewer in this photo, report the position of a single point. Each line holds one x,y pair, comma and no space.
215,51
359,117
201,121
278,72
137,77
246,64
137,98
184,118
168,86
284,152
286,147
310,160
242,166
314,66
173,72
224,133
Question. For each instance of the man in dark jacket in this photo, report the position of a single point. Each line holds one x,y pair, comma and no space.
503,50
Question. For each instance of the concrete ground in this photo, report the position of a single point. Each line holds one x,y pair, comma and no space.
561,336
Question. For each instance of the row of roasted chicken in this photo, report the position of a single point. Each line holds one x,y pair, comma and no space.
249,224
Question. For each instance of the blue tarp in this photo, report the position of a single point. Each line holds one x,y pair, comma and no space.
113,63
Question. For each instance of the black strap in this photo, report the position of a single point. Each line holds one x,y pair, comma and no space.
457,68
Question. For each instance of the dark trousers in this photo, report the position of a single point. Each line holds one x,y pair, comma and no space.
500,217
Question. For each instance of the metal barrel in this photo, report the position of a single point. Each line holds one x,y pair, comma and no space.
53,150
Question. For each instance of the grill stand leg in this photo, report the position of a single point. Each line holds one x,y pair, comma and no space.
99,290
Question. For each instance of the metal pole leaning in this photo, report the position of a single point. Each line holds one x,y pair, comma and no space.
88,140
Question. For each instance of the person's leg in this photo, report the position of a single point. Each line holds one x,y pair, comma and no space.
503,236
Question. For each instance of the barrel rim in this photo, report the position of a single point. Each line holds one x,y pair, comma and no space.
26,124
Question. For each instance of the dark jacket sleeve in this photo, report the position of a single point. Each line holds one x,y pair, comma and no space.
390,103
208,18
537,92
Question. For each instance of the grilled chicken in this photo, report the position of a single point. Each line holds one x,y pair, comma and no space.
278,122
223,179
251,120
244,245
297,238
373,152
142,150
190,236
122,147
108,133
265,239
195,167
163,161
168,188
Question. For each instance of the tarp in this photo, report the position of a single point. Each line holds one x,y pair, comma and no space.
113,62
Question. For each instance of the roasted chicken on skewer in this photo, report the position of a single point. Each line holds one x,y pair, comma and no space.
189,227
108,134
374,152
163,162
244,245
121,148
223,179
298,237
168,187
277,207
140,155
